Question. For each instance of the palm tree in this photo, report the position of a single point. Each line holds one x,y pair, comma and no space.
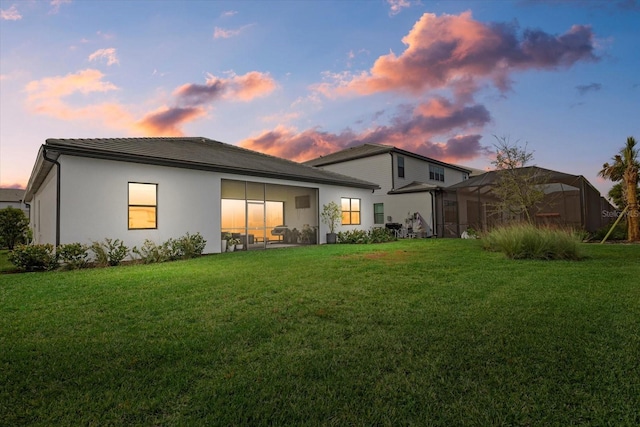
625,168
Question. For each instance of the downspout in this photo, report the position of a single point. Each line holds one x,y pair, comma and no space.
583,205
434,232
393,174
55,162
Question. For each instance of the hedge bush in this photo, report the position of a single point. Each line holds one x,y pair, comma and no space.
188,246
34,257
109,252
374,235
73,255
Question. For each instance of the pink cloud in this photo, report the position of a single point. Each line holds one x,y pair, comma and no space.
456,51
244,88
10,14
84,81
108,54
396,6
15,185
48,96
412,129
168,121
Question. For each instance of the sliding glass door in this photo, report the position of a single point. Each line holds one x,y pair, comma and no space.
261,214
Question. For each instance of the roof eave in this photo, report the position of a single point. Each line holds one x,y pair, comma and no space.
158,161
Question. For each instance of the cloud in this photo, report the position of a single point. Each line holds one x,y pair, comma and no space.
396,6
244,88
55,5
229,13
50,96
459,53
168,121
109,54
10,14
51,88
221,33
413,129
584,89
47,96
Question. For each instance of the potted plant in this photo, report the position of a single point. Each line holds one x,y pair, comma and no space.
223,242
331,214
231,244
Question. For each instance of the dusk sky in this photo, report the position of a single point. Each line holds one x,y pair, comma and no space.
300,79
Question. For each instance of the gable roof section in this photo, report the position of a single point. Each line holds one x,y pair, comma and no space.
415,187
369,150
11,195
189,153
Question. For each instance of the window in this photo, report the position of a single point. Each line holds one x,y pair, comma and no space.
400,167
143,206
378,213
436,173
350,211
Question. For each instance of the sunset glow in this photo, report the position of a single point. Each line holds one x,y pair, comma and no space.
436,78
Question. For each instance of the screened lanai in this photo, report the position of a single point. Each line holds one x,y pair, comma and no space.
569,200
264,215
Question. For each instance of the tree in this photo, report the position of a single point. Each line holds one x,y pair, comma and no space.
518,187
616,195
624,167
13,226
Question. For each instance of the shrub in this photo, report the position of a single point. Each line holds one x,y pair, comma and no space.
618,233
188,246
110,252
34,257
150,252
14,226
73,255
526,241
374,235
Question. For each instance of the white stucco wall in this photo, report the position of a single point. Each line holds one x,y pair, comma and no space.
42,215
94,202
335,194
377,169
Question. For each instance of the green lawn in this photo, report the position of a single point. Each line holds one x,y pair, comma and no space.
5,265
420,332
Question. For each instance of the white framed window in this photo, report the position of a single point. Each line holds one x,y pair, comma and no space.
143,206
436,173
350,211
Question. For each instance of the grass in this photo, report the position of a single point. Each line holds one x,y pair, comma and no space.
527,241
5,265
420,332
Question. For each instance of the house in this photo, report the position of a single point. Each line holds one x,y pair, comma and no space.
569,200
410,184
14,198
133,189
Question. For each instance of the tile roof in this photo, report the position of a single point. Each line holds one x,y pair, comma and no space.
368,150
191,153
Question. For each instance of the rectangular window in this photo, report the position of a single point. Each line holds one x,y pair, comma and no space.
143,206
436,173
350,211
400,167
378,213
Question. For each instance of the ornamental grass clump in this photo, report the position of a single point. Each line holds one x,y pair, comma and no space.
526,241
